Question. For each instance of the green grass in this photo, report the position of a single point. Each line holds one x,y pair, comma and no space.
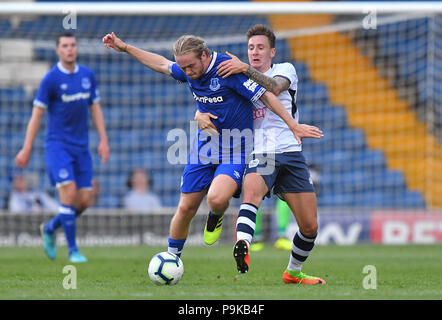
403,272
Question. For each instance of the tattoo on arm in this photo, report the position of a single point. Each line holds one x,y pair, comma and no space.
275,85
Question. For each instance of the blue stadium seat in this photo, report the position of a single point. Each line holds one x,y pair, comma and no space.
324,116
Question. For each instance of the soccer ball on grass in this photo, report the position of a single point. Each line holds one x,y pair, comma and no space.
165,269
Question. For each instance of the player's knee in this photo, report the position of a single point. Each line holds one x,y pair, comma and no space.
68,195
251,195
83,204
217,202
310,229
83,200
186,210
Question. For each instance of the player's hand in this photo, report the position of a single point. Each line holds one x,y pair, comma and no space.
205,123
103,151
22,158
232,66
305,131
112,41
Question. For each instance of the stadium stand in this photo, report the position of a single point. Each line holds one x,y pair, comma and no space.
141,107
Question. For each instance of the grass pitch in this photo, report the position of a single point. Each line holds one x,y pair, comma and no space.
402,272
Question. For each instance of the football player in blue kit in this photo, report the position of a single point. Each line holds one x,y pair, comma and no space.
215,165
69,93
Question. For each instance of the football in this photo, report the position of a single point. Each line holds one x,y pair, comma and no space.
165,269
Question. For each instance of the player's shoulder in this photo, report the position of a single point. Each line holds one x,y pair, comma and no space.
53,72
233,78
285,70
220,57
284,67
51,76
85,70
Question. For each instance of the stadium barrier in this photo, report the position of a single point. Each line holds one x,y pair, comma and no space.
121,228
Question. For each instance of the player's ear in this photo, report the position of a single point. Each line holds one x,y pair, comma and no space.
273,52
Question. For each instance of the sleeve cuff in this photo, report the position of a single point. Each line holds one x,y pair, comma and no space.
40,104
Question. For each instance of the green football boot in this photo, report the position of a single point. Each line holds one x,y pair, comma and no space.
213,228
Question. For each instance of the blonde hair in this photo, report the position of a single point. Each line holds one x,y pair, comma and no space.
190,43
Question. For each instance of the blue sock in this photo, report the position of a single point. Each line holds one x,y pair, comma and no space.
176,246
67,217
53,224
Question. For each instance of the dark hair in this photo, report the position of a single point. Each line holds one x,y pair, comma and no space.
132,173
66,34
262,30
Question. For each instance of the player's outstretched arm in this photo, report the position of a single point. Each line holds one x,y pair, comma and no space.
23,156
299,130
151,60
275,85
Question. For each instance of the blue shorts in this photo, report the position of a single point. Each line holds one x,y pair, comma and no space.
289,172
68,163
197,177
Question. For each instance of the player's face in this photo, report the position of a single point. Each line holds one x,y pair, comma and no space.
67,50
260,53
193,66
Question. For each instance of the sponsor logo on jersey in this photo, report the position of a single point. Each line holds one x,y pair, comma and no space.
75,96
214,84
208,99
258,113
250,85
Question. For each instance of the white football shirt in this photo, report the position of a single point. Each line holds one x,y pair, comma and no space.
272,134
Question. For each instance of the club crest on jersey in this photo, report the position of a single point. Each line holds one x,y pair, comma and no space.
214,84
63,86
85,83
258,113
254,163
63,173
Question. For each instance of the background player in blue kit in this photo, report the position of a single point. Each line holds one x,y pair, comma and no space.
231,101
67,92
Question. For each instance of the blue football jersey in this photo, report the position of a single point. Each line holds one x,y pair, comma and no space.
230,99
67,97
